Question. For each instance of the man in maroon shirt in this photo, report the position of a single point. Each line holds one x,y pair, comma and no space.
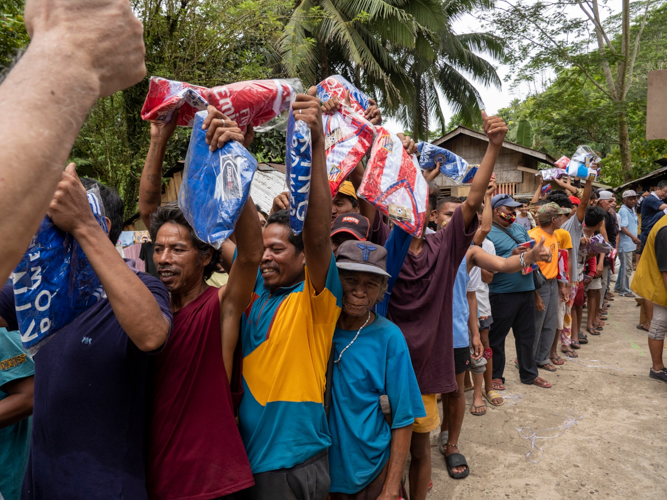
421,302
195,449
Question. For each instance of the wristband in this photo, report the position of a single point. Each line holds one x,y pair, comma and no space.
521,261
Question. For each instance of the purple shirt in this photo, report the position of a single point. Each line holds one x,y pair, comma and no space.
90,415
421,302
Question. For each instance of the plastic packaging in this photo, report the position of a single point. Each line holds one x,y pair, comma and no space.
597,244
470,174
215,185
338,86
451,165
254,101
584,164
299,159
348,137
562,162
549,174
393,183
54,282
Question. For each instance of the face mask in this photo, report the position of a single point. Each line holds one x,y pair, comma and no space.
511,218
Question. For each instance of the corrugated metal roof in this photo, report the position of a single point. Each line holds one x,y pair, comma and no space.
266,185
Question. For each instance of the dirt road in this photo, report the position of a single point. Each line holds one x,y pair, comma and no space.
615,449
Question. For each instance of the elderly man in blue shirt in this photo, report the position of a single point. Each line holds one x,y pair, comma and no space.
627,243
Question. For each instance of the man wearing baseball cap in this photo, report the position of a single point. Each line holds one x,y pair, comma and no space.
627,242
371,358
349,226
606,201
345,201
512,297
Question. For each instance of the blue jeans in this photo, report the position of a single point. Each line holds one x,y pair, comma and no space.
625,270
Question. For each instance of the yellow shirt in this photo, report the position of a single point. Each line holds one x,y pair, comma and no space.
564,239
549,269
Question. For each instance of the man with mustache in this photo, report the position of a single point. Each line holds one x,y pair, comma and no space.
195,448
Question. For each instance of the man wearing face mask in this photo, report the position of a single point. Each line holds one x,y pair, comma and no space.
512,297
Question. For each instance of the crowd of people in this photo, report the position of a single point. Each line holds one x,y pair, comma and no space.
315,371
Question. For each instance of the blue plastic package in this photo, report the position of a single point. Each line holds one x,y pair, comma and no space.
470,174
215,185
54,282
451,165
299,159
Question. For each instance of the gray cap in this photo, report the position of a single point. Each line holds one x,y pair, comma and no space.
362,256
630,194
605,195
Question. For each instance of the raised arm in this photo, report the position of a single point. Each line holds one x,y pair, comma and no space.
583,204
150,187
495,130
235,296
132,302
487,215
567,186
79,50
317,226
430,175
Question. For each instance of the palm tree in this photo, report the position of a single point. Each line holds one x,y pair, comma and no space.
455,54
356,38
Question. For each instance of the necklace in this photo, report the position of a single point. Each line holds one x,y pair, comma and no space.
337,362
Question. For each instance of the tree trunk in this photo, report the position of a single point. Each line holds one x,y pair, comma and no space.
624,144
324,60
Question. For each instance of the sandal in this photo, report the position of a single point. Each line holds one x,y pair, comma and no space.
478,413
456,460
593,331
558,361
575,345
642,327
547,367
540,382
491,395
583,339
443,437
570,353
498,384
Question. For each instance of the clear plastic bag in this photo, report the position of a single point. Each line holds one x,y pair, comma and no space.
338,86
348,137
299,159
562,162
549,174
584,164
394,184
215,185
254,101
451,165
54,283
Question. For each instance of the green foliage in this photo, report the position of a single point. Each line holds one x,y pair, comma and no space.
524,135
13,35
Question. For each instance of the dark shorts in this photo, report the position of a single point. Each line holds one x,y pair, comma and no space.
306,481
485,322
461,360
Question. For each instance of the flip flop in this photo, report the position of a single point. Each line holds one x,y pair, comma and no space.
593,331
570,353
574,345
457,460
475,407
498,384
542,383
491,395
642,327
544,367
583,339
558,361
443,437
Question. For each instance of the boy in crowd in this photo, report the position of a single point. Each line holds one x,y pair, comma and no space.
371,358
525,218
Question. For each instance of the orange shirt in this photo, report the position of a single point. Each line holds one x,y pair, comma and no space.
549,269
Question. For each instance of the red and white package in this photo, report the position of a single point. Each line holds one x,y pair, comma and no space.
253,101
393,183
338,86
562,162
347,138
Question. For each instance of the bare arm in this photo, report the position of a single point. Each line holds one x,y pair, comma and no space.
400,446
132,302
80,50
430,175
18,405
487,215
567,186
473,326
496,264
317,226
538,191
583,205
235,296
487,276
495,129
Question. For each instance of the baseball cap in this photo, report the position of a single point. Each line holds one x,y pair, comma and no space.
362,257
630,193
506,200
347,189
575,200
549,210
605,195
352,223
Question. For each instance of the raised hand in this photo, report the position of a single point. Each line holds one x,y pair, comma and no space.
408,144
220,129
307,108
373,113
280,202
69,207
495,128
162,131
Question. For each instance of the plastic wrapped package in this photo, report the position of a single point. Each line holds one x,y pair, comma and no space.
562,162
338,86
470,174
549,174
584,164
299,159
451,165
394,184
348,137
597,244
253,101
215,185
580,171
54,283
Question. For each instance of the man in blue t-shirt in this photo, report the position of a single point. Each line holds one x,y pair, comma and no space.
90,412
371,359
627,242
652,209
512,297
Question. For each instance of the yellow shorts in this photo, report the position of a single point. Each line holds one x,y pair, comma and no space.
432,418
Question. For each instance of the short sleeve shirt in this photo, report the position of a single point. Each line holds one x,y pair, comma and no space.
549,269
286,337
651,214
376,364
504,244
480,288
461,309
15,364
630,221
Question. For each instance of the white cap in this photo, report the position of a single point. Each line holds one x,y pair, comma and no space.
605,195
629,194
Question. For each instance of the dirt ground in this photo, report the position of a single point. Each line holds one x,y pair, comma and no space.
613,450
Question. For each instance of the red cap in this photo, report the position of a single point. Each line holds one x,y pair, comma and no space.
575,200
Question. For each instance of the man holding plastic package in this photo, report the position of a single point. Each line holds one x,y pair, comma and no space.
91,377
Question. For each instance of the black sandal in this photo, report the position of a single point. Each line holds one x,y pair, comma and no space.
583,339
456,460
